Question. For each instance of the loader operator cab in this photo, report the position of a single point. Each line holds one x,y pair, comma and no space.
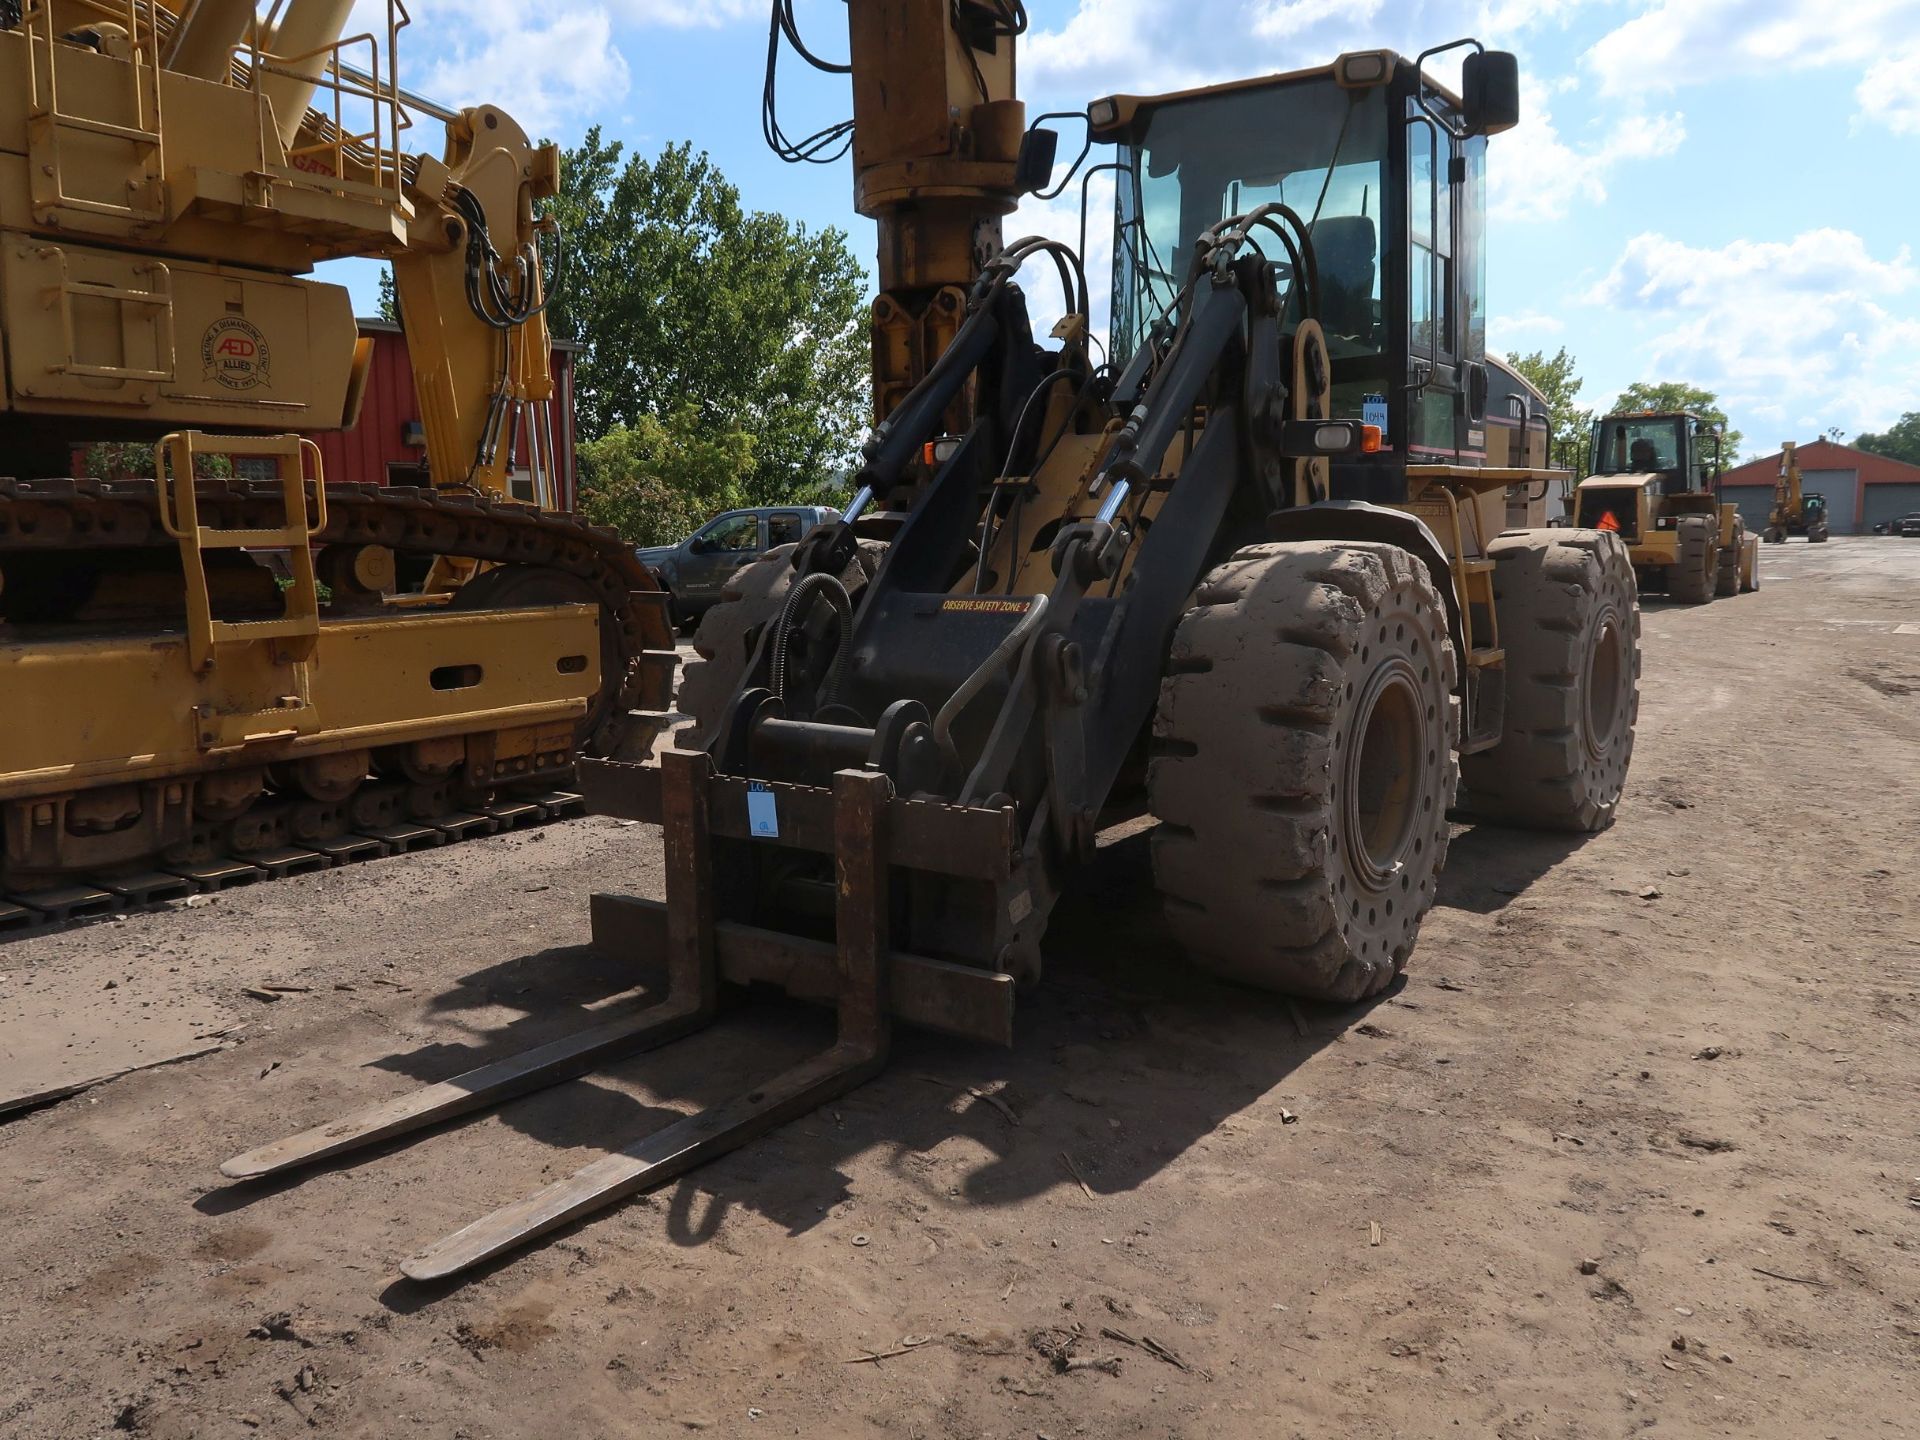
1387,172
1682,449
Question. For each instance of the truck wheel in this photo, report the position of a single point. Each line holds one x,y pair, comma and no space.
1302,766
1690,581
1571,628
729,630
1726,576
1816,534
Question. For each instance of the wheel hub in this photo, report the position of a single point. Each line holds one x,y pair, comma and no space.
1385,764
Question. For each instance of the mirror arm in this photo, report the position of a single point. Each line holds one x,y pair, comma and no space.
1420,88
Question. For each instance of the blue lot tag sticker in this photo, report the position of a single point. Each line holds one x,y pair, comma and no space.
763,816
1373,411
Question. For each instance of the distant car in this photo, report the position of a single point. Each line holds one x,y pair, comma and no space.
696,570
1909,524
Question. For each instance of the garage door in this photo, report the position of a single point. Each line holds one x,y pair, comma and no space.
1841,487
1754,502
1890,502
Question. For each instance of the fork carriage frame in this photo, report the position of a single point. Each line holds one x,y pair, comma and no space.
869,832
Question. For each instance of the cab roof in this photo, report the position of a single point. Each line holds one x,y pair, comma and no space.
1113,117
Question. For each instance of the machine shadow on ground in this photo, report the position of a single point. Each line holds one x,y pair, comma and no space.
1124,1059
1490,865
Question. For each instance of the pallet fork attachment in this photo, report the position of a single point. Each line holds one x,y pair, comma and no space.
853,820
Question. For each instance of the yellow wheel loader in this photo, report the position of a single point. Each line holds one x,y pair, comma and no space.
1653,485
1250,573
233,665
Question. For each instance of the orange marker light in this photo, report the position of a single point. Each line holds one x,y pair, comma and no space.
1369,439
926,454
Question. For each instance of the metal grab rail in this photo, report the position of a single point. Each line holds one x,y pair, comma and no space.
46,121
297,631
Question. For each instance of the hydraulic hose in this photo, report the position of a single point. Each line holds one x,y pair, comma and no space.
798,599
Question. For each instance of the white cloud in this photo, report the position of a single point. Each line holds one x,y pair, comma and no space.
543,64
1284,19
1686,42
1889,93
1535,174
1147,46
1510,333
541,68
1812,326
689,14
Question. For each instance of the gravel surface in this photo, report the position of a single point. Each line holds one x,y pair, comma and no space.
1633,1148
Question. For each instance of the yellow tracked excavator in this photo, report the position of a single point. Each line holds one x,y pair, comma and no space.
1250,573
234,665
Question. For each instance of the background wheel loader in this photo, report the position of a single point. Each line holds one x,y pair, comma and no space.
172,715
1653,485
1249,575
1795,511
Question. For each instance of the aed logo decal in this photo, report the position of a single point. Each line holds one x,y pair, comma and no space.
234,353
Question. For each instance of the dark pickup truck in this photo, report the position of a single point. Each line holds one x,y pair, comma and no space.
696,570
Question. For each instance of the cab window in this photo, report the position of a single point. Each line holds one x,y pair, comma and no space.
783,528
1629,447
735,532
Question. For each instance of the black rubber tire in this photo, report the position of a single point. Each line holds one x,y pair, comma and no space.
1690,577
1726,574
1282,860
1570,625
729,630
1817,535
1774,535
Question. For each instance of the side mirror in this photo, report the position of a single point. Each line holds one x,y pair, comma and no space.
1034,166
699,546
1490,92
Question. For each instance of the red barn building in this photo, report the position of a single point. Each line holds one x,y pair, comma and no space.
388,444
1862,490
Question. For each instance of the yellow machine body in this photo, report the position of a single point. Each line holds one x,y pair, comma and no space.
165,183
1653,485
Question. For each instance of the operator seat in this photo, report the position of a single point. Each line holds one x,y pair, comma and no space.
1643,458
1345,251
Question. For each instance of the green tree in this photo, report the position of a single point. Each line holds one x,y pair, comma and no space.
656,480
1554,378
1900,441
1677,395
133,460
711,319
389,300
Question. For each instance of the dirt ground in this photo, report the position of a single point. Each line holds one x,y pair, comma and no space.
1684,1049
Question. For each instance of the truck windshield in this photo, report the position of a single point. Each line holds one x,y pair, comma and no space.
1310,145
1636,447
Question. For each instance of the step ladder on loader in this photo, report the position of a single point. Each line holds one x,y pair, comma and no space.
870,832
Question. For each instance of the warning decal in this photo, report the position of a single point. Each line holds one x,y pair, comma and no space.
984,605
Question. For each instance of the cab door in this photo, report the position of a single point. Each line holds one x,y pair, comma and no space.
1433,347
1446,290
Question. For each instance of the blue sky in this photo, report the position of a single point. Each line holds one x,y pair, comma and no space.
1720,191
